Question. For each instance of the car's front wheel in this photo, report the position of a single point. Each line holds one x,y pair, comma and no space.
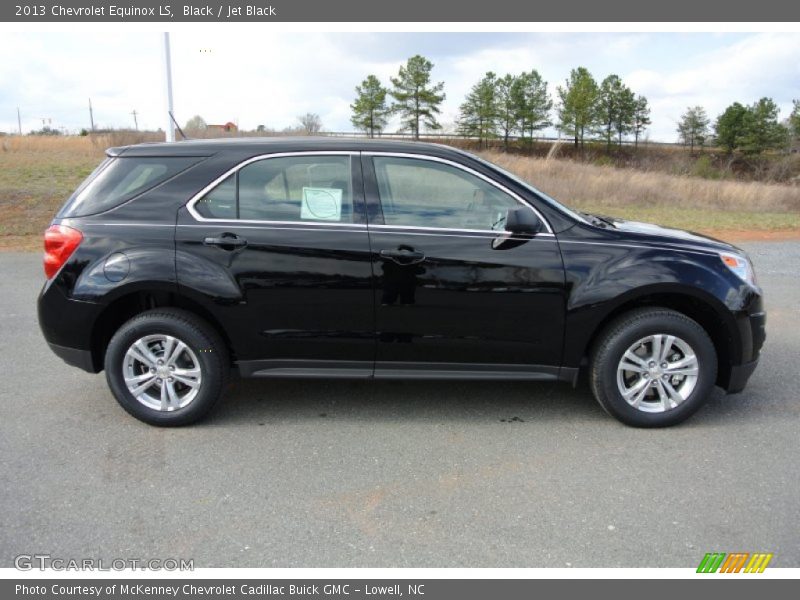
166,367
653,367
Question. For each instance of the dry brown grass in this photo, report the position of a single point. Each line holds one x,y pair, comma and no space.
38,173
675,200
88,145
582,184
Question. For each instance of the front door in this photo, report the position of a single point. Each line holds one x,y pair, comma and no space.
455,295
278,250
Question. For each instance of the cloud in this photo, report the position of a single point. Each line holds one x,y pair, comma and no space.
272,78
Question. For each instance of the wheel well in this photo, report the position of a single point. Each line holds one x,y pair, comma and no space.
124,308
694,308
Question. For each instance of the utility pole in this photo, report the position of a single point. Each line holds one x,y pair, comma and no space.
135,122
19,121
91,114
170,130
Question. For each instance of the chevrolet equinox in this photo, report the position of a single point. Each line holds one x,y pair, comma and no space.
174,264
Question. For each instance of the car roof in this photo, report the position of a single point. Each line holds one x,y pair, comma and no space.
268,145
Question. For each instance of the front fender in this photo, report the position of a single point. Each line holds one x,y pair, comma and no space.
603,279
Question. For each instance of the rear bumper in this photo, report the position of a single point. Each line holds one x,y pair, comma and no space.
74,357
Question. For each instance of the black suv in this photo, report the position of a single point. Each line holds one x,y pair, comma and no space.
174,263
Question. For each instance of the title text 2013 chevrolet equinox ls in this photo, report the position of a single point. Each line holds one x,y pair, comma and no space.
174,263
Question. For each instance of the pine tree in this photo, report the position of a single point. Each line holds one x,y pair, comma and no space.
641,118
730,127
762,131
478,113
416,100
506,107
532,103
577,109
615,107
370,111
693,127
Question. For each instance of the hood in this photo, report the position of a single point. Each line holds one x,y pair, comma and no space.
669,235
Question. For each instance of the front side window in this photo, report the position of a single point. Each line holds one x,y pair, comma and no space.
292,188
422,193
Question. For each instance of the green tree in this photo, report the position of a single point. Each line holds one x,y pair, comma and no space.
532,103
730,127
615,106
416,99
506,107
794,119
577,109
478,113
762,131
370,111
641,118
693,127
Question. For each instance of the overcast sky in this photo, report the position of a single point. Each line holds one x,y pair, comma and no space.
271,78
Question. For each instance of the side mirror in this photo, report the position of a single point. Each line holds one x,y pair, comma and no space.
523,220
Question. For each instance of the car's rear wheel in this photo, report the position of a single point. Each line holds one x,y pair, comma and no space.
653,367
166,367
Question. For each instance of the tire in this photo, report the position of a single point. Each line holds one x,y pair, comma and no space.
646,333
192,382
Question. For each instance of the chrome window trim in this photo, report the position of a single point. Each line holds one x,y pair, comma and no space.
190,205
489,180
433,230
196,198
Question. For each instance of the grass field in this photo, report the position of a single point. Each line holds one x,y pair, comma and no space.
673,200
38,173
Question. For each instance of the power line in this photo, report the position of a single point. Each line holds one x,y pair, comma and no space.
135,122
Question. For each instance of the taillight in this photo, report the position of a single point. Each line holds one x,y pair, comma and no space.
60,242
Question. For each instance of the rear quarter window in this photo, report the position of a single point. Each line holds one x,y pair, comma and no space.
117,180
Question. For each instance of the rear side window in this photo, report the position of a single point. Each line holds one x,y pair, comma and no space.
118,180
290,189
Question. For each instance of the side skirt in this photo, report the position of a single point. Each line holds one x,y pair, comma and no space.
335,369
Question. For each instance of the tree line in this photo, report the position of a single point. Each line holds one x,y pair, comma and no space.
502,107
749,129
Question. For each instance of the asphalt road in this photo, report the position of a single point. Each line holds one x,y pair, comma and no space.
387,474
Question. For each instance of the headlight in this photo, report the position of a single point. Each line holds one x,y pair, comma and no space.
740,265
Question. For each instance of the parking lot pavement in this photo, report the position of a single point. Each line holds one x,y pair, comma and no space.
391,474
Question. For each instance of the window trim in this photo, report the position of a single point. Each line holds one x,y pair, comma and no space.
190,205
358,154
489,180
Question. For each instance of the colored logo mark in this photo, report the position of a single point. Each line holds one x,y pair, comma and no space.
735,562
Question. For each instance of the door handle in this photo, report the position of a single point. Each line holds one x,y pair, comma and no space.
226,239
403,257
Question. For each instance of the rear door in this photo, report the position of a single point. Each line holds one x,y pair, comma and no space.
278,250
455,295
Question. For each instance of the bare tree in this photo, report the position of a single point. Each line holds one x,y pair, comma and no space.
196,123
310,123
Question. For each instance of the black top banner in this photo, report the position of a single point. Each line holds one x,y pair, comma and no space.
49,11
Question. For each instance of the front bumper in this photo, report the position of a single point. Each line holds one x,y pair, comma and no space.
753,332
739,376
